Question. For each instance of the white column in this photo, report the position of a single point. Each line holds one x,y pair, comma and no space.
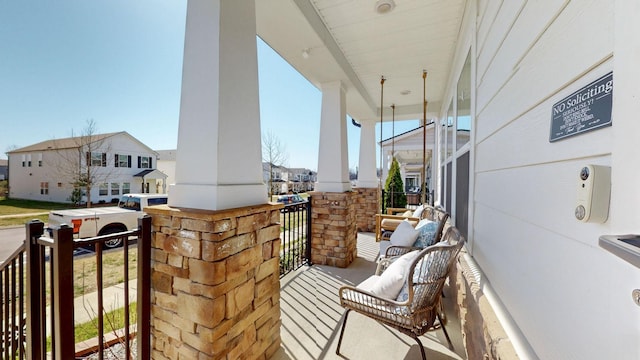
333,166
367,172
218,159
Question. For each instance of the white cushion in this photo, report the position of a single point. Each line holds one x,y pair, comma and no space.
389,284
404,235
418,212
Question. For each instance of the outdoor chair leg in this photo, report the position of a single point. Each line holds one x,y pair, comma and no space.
424,356
446,334
344,324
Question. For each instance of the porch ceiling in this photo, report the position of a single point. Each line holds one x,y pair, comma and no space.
348,40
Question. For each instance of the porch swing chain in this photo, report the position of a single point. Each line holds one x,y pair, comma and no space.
382,79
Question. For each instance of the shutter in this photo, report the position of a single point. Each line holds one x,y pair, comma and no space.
128,160
88,158
116,162
139,161
150,164
104,159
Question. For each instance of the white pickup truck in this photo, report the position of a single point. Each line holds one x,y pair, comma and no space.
90,222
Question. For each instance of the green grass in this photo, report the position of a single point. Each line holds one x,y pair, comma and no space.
19,206
22,220
113,320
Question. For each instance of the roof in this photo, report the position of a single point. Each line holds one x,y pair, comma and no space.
71,142
151,174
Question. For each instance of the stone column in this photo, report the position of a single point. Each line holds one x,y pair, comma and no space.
333,228
333,238
219,159
215,283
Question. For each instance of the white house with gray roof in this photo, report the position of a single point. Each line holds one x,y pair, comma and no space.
117,163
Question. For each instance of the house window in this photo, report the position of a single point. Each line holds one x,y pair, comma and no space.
59,184
44,188
29,160
123,161
104,189
115,189
39,160
24,161
144,162
126,188
98,159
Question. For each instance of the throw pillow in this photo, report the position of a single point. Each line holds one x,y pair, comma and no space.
389,284
418,212
426,233
407,213
404,235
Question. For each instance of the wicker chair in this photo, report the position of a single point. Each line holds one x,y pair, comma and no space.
436,214
386,223
425,280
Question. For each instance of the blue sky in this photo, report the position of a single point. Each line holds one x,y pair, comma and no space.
119,62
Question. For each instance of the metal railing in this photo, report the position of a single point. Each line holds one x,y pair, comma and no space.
12,320
50,275
295,236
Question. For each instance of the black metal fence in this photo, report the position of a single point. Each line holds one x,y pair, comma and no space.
37,291
295,236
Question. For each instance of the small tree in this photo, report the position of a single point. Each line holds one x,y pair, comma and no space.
394,195
273,153
75,163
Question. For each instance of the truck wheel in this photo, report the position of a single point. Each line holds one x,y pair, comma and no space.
114,243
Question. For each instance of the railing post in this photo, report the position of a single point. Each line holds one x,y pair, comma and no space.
307,252
36,326
62,294
144,288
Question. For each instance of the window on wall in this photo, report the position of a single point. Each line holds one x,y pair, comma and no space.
39,160
104,189
122,161
115,189
126,188
97,159
144,162
463,99
44,188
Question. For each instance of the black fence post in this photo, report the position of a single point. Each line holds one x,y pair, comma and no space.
144,288
63,326
36,326
309,233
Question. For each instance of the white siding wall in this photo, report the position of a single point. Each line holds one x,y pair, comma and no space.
570,298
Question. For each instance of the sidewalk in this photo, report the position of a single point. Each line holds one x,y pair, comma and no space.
11,216
86,306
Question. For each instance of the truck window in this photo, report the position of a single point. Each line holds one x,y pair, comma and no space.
130,203
156,201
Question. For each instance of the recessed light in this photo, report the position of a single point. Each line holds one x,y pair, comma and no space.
384,6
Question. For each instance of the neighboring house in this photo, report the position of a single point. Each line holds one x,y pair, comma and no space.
302,179
4,168
167,164
118,164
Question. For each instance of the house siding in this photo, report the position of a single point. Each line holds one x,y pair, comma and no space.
569,297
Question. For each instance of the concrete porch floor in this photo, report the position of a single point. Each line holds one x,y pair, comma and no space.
311,315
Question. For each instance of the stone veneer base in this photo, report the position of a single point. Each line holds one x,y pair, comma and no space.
366,207
215,283
483,335
333,228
